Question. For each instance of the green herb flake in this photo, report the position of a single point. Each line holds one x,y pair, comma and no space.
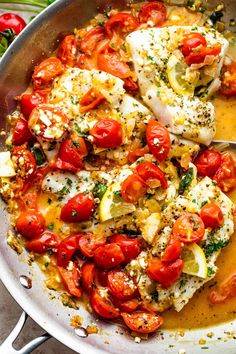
186,181
99,190
51,226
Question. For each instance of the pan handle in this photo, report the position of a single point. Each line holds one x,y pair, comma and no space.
7,345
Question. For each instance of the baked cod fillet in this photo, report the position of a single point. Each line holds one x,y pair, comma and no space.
181,292
154,53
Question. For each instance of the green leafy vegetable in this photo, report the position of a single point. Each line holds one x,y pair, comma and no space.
186,180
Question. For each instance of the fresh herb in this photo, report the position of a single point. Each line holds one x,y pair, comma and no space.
186,181
214,246
99,190
101,23
39,156
69,182
65,190
49,201
117,193
51,226
210,272
74,213
155,296
204,203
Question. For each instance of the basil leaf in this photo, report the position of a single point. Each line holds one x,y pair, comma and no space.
39,156
186,180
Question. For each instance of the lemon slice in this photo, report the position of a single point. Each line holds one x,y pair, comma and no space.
176,71
112,205
194,261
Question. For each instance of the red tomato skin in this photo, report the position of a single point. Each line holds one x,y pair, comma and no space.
128,306
46,71
122,23
192,40
30,224
78,208
108,256
149,171
27,169
89,42
165,273
131,86
133,188
131,247
199,57
88,243
29,101
107,133
29,200
47,241
86,63
21,133
212,215
225,176
172,251
208,162
68,246
102,304
186,222
66,166
68,152
154,11
135,154
67,50
224,291
35,180
120,285
92,99
158,140
101,277
13,21
111,62
71,280
142,322
87,276
228,80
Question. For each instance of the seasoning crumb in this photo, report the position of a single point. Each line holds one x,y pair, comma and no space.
68,301
76,321
13,242
182,351
181,333
106,342
210,334
202,341
137,339
92,328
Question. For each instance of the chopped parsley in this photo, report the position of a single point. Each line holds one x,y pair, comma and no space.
99,190
186,181
51,226
214,246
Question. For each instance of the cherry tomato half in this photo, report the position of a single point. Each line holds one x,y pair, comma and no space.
46,72
212,215
89,42
120,285
158,140
71,279
68,246
127,305
86,63
192,40
131,247
67,50
21,133
30,224
228,80
189,228
107,133
224,291
102,305
208,162
91,100
23,161
151,174
225,176
173,250
155,12
70,152
111,62
108,256
131,86
48,122
122,23
133,188
29,101
135,154
165,273
88,243
87,276
47,241
79,208
142,322
199,56
13,21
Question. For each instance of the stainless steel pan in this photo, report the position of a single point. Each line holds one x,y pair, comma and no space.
37,40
